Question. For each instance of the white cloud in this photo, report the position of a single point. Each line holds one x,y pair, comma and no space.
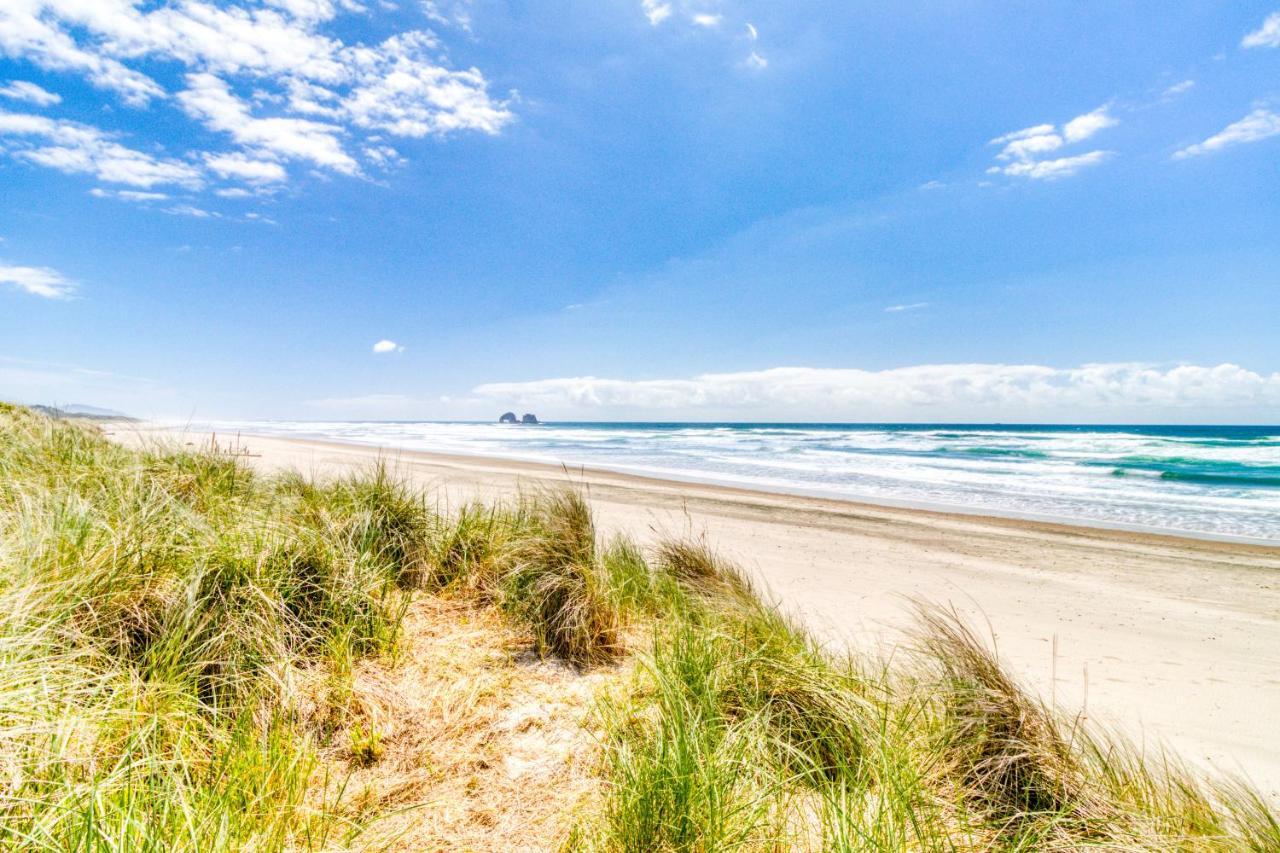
1257,125
385,346
192,211
1026,147
941,391
315,10
913,306
1179,88
30,30
1022,150
383,155
1048,170
406,95
312,91
1026,132
699,13
78,148
1082,127
136,196
210,100
38,281
21,90
454,14
245,168
1268,35
215,37
656,11
233,192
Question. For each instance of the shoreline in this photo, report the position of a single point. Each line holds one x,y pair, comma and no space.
864,502
1171,639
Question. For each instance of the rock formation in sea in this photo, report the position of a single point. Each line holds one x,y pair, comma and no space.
507,418
529,418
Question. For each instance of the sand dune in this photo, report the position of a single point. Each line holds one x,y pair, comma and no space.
1173,640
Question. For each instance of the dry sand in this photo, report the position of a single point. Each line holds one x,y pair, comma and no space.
1173,640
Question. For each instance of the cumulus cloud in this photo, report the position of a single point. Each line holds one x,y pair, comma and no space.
21,90
405,95
31,30
1024,152
385,346
1268,35
1258,125
37,281
940,391
210,100
78,148
314,94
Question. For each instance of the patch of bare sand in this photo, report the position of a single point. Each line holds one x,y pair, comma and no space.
465,740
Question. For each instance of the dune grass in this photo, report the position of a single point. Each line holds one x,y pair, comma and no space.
197,657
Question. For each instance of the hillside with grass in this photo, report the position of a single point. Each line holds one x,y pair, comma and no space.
195,656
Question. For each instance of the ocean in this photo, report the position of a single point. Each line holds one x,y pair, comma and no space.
1221,481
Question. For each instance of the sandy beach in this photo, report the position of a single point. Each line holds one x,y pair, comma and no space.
1173,640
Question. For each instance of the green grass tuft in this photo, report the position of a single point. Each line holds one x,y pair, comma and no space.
558,586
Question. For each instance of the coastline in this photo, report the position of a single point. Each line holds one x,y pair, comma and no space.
545,468
1171,638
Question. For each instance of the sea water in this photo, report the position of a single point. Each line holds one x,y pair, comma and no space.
1202,480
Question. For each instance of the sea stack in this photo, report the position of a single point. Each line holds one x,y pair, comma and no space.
529,418
507,418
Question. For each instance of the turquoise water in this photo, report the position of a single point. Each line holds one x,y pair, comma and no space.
1222,481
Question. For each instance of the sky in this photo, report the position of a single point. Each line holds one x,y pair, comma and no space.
642,209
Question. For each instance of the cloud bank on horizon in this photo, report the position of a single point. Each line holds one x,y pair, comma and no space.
924,392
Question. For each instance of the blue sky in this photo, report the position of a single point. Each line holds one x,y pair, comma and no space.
660,209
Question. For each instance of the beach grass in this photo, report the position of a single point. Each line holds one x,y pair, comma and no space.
195,656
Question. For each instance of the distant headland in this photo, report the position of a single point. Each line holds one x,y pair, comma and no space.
83,412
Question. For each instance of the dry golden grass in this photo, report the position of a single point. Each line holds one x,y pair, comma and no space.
482,745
